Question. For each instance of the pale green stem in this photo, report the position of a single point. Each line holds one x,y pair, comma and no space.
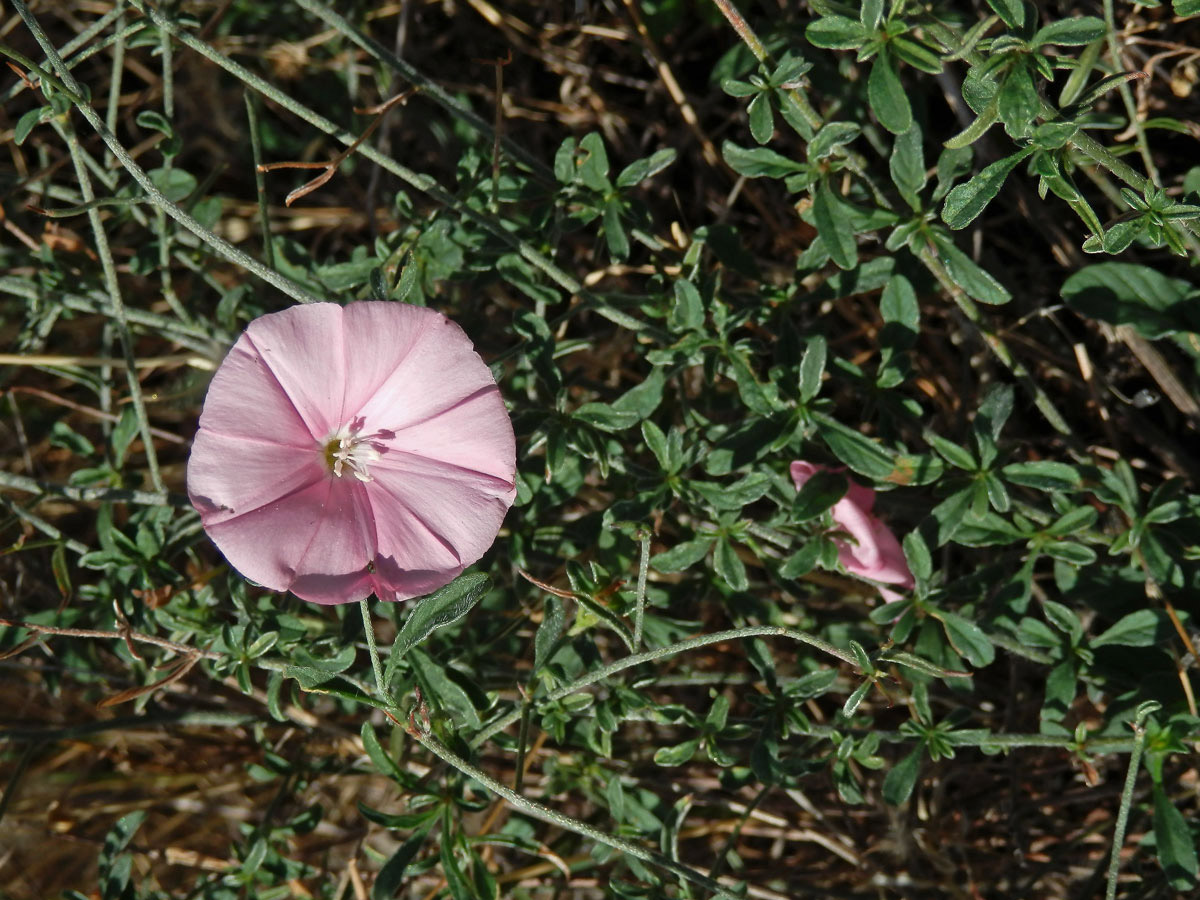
373,650
260,178
639,610
1131,110
545,814
499,724
116,303
114,82
1135,758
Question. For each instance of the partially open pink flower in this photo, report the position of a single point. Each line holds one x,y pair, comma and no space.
875,553
350,451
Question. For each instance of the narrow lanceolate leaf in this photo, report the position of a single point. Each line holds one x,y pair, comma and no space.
1174,842
967,201
966,273
887,97
1070,32
833,224
440,609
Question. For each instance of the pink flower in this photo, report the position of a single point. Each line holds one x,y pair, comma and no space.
875,553
345,451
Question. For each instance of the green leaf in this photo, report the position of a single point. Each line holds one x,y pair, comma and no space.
175,183
762,120
957,456
639,170
614,231
643,399
819,493
729,566
759,162
968,639
1186,8
443,691
1129,294
833,223
963,271
916,55
1070,552
439,609
898,304
1142,628
123,434
836,33
379,757
1043,475
682,556
1011,12
831,136
802,561
593,168
1018,103
949,514
916,552
856,450
907,165
391,876
1072,31
678,754
811,368
900,779
607,418
548,631
1174,842
688,311
886,95
29,121
967,201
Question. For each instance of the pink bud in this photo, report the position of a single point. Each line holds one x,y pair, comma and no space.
874,553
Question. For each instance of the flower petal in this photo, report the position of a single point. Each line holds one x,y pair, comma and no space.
246,400
451,513
440,370
267,544
302,347
378,338
229,476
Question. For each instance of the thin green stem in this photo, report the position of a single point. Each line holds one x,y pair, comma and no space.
114,82
116,303
504,721
1131,110
260,178
546,814
639,609
1135,758
373,650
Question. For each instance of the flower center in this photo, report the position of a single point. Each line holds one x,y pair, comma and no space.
348,449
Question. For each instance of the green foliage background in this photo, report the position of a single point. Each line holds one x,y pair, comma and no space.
946,248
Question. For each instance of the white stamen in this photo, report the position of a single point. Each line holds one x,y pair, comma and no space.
348,449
